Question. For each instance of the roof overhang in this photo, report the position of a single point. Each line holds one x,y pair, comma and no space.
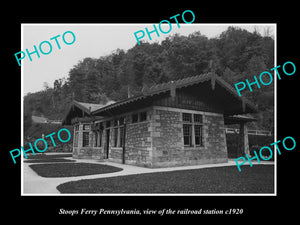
208,86
81,109
238,119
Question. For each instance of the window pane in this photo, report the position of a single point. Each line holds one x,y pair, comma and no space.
99,138
187,134
198,118
115,137
86,126
135,118
198,135
116,123
85,139
121,121
143,116
76,139
121,136
187,117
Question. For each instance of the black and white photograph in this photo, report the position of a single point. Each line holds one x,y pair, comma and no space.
149,113
148,116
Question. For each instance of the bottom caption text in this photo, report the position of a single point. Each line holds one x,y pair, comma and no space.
160,212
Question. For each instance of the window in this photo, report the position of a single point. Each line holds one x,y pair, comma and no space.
86,126
143,116
198,135
121,144
116,123
115,137
192,129
134,118
187,135
118,133
98,138
198,118
121,121
76,136
76,139
107,124
85,139
186,117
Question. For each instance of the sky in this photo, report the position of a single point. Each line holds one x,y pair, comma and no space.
93,40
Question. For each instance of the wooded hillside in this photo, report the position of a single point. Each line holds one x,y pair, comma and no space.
236,55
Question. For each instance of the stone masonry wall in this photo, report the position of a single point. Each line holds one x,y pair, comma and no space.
87,152
138,143
167,137
215,138
158,141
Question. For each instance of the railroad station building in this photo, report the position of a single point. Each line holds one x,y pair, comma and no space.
177,123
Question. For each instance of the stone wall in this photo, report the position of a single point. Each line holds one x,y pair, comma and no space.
87,152
215,138
138,142
158,141
167,137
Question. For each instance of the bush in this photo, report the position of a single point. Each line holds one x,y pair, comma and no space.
37,130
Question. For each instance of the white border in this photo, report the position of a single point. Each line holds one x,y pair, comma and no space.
142,24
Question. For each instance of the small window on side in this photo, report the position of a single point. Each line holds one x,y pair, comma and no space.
135,118
143,116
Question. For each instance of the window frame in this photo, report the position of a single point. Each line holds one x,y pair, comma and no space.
143,116
135,118
190,136
86,127
195,123
200,136
116,136
76,135
121,138
85,139
187,115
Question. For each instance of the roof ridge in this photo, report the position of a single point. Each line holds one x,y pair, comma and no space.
159,85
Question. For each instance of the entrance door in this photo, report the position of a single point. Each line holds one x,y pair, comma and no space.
107,143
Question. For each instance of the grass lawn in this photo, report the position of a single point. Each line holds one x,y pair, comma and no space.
45,156
71,169
256,179
48,158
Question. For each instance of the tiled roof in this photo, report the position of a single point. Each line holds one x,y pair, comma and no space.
179,83
149,92
160,88
164,87
91,107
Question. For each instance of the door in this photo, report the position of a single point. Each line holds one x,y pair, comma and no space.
107,143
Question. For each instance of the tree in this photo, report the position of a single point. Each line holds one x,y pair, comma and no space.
236,54
46,86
